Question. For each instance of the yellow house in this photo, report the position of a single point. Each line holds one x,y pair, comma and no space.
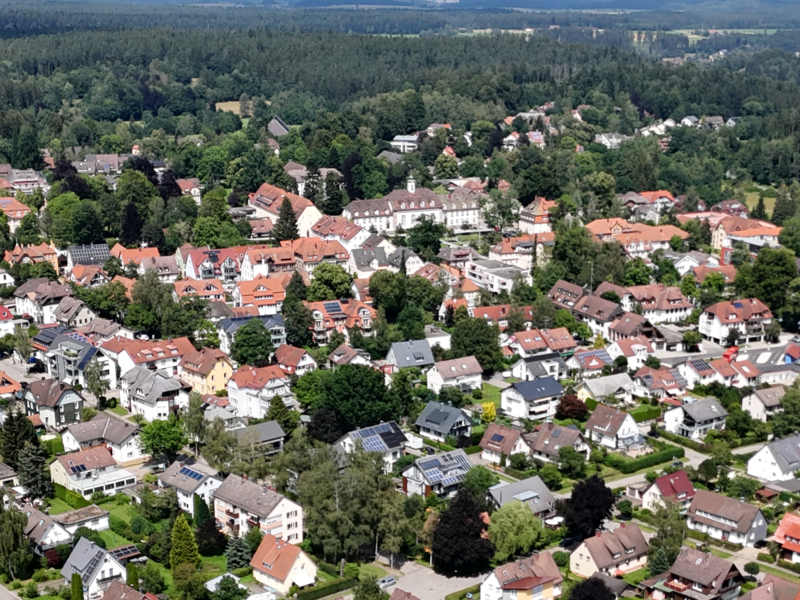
534,577
278,565
207,370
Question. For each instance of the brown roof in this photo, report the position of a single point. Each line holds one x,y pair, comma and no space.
627,345
344,354
203,361
541,567
628,323
723,367
773,588
565,294
38,523
256,379
746,369
468,365
120,591
289,355
701,567
275,557
739,311
611,547
703,271
606,420
399,594
143,351
103,428
559,339
499,438
607,286
335,226
47,392
247,494
712,503
550,438
598,308
96,457
530,340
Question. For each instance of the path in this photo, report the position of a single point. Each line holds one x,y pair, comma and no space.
748,449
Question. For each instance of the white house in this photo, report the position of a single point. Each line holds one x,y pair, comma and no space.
622,550
495,276
241,504
157,355
748,316
251,390
634,349
762,405
612,427
675,487
534,400
386,438
293,360
44,531
405,143
534,577
188,479
439,421
90,470
463,373
441,474
499,441
724,518
695,419
40,298
151,394
120,437
777,461
97,567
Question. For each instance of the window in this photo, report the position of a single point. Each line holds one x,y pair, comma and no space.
696,586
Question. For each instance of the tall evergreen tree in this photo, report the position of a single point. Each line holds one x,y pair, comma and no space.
297,321
785,206
210,540
184,548
760,211
132,577
334,195
660,562
31,468
131,230
16,432
296,287
201,512
77,587
25,153
14,545
194,420
286,225
237,553
459,541
279,412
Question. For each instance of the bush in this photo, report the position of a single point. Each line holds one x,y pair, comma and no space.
592,404
74,499
645,413
243,571
40,576
628,466
474,450
767,558
15,585
463,593
679,439
31,590
141,526
111,403
752,568
352,570
477,394
625,509
561,558
53,558
326,589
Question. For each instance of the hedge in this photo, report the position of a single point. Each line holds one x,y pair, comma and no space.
326,589
243,571
645,413
74,499
656,458
519,474
785,564
767,558
328,568
683,441
592,404
463,593
54,447
704,537
438,445
472,450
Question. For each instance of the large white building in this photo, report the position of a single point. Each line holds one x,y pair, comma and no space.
495,276
748,316
188,479
399,208
251,390
777,461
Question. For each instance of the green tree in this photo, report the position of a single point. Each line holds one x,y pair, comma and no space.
253,539
15,551
358,396
184,548
475,337
590,503
331,282
132,575
152,579
514,529
32,471
163,438
77,587
367,589
659,563
229,589
637,273
297,320
459,540
760,211
296,287
280,413
445,167
96,384
478,480
785,206
252,344
670,526
425,237
286,225
201,512
22,342
572,462
134,188
220,445
237,553
16,433
194,419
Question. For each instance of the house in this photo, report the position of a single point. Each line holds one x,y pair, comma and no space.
206,289
436,336
189,478
88,276
9,388
534,400
547,439
463,373
697,371
534,577
268,199
58,404
777,461
277,127
440,421
31,254
597,313
405,143
102,330
590,362
87,255
724,518
617,587
765,403
749,317
498,314
495,276
674,487
120,437
629,325
347,355
227,328
340,315
525,251
658,304
72,312
97,568
90,470
536,341
539,366
207,370
531,491
461,209
788,536
133,255
70,353
121,591
413,353
615,553
223,264
339,229
156,355
397,593
191,187
15,211
500,442
608,390
227,414
251,390
693,575
241,504
771,587
279,565
634,349
535,218
457,256
152,394
386,438
612,427
637,239
695,419
39,298
43,531
294,360
659,383
267,436
92,517
441,474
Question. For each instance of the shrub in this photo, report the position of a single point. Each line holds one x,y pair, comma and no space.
15,585
141,526
352,570
651,460
561,558
31,590
767,558
74,499
243,571
53,558
40,576
463,593
326,589
111,403
752,568
625,509
477,394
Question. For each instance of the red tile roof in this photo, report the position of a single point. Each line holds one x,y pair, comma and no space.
675,486
275,557
256,379
738,311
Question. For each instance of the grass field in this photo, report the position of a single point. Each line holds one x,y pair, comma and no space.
694,38
58,506
719,553
118,410
636,576
113,540
752,201
779,572
231,106
372,569
491,394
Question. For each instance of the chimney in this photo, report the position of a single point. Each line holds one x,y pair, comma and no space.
622,525
411,185
244,478
597,533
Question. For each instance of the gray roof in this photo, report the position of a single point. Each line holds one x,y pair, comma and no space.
540,388
247,494
616,586
384,437
399,255
449,253
103,428
706,409
230,326
85,559
267,432
364,256
772,396
535,364
186,476
786,452
152,383
6,472
448,469
101,327
498,268
531,491
91,254
605,386
392,157
440,417
38,523
164,265
413,353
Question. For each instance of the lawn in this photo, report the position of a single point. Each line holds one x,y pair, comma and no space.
779,572
373,569
719,553
58,506
113,540
636,576
491,394
752,201
121,511
118,410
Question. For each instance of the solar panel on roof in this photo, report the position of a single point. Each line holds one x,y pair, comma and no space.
124,552
430,464
437,416
737,304
497,437
332,307
191,473
556,433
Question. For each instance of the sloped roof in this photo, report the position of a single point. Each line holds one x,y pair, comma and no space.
85,559
413,353
499,438
701,567
606,420
186,476
705,410
786,452
549,438
458,367
47,392
275,557
604,546
531,491
440,417
533,571
712,503
103,427
243,493
289,355
95,457
203,361
771,396
540,388
257,378
675,486
601,387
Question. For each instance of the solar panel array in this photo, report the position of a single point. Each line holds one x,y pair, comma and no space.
78,469
94,563
124,552
332,308
699,365
94,254
448,469
497,437
601,353
191,473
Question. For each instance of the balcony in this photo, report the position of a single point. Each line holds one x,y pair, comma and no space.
677,586
108,578
232,514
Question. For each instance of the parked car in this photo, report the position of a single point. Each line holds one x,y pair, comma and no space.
796,339
566,542
386,582
760,544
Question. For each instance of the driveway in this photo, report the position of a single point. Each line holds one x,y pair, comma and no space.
424,583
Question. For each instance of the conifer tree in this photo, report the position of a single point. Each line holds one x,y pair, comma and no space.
760,211
201,512
297,320
286,225
77,587
32,462
132,578
660,563
184,548
253,539
16,432
296,287
237,553
278,411
785,206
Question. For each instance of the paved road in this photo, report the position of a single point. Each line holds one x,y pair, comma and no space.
424,583
748,449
